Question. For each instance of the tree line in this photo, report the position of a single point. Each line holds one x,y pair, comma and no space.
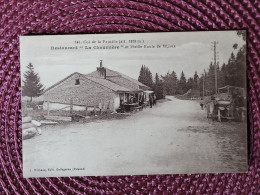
230,73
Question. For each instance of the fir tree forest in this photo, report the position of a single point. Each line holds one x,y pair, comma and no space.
231,73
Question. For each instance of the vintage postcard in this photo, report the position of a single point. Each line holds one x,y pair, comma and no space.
134,103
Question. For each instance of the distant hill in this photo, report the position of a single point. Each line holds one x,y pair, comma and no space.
190,94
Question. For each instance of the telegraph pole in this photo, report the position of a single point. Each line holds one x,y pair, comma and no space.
203,87
215,65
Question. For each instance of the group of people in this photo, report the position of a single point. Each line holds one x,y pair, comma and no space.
143,99
151,100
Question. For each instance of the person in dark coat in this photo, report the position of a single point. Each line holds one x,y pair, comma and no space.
154,99
141,101
151,101
201,103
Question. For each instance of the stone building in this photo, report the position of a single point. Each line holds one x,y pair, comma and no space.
103,88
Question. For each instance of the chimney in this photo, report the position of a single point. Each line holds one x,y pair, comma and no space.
101,70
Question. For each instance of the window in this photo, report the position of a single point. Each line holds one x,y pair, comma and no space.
77,82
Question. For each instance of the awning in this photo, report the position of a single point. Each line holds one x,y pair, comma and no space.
136,91
149,91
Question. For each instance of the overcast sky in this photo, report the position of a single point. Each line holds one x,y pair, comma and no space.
192,52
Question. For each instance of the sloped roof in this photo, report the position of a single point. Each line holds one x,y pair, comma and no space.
112,73
108,84
100,81
115,73
59,82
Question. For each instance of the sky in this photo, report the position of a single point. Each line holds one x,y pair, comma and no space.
187,52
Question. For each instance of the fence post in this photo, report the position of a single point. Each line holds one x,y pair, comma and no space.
86,110
48,108
71,105
95,110
100,108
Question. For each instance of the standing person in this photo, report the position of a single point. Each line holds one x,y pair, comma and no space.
141,101
201,103
154,99
134,99
151,101
131,99
238,107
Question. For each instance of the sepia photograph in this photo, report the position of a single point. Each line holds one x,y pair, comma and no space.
134,103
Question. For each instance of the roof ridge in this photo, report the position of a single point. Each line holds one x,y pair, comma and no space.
86,77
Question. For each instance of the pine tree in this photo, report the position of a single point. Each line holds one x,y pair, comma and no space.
202,84
149,78
141,75
222,76
146,76
231,70
210,80
32,86
240,78
195,81
159,87
167,83
182,88
190,83
234,71
156,78
170,81
174,82
160,93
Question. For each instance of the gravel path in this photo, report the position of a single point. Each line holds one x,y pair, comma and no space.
172,137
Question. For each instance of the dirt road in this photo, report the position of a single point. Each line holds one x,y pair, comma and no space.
172,137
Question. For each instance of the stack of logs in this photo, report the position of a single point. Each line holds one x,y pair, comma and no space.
30,128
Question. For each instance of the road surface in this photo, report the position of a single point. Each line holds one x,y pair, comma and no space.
172,137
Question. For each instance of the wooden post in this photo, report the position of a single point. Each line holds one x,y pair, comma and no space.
100,107
95,110
86,110
71,105
109,105
48,108
219,115
25,111
203,88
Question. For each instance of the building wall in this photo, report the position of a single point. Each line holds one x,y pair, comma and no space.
58,106
87,93
116,101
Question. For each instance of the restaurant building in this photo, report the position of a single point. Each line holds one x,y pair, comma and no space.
103,89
